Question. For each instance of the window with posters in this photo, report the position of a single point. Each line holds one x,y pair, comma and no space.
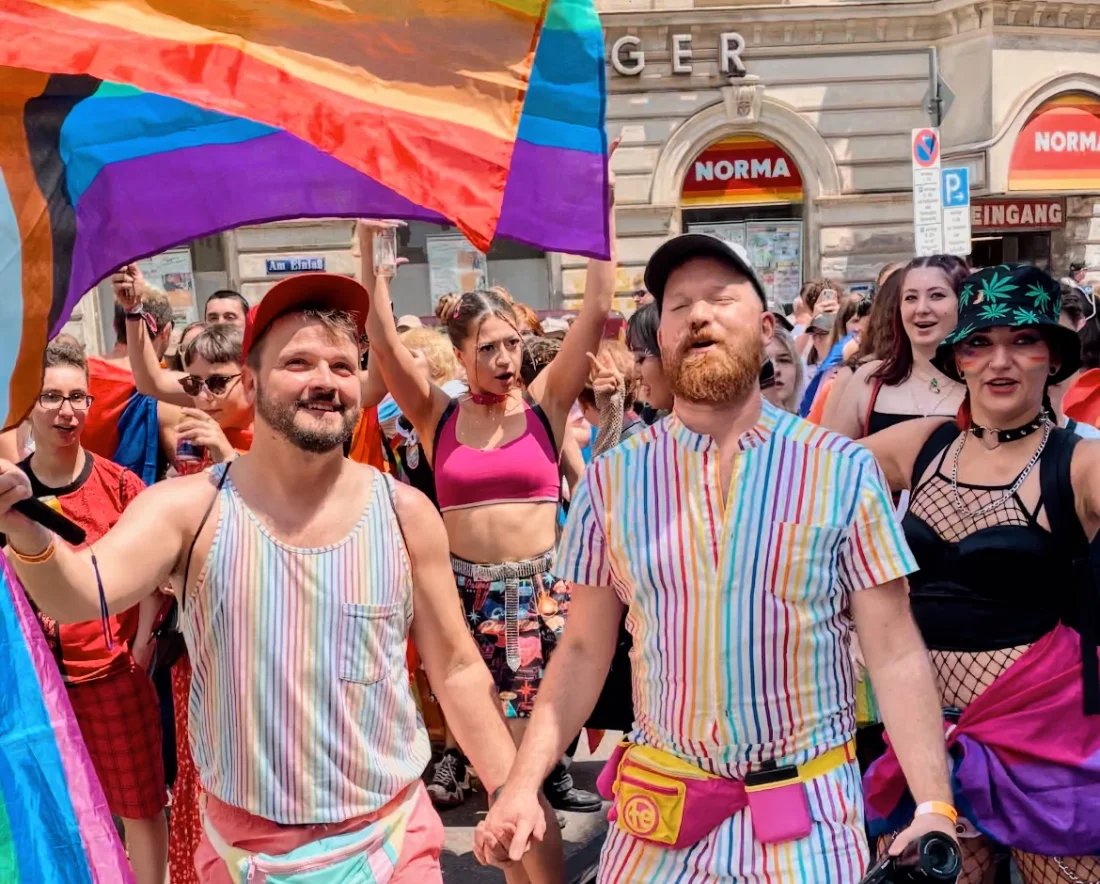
748,190
171,272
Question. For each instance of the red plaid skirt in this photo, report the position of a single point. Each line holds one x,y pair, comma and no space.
119,718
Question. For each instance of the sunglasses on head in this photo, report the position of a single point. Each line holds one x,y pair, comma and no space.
217,383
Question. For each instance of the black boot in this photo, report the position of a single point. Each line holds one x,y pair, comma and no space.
559,791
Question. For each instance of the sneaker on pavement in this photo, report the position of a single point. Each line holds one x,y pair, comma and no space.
451,781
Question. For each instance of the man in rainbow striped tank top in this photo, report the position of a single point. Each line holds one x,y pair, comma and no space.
300,576
744,544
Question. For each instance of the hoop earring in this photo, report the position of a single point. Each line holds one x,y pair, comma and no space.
1054,370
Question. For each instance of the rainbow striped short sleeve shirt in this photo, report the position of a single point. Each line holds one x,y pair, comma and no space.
737,603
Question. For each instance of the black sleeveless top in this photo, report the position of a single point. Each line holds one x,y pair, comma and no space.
990,583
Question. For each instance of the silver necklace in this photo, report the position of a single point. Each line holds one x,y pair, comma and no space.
960,506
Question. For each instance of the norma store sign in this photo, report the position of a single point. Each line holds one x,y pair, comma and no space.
1058,149
742,170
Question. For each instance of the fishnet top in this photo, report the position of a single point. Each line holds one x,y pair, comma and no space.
934,504
986,582
976,597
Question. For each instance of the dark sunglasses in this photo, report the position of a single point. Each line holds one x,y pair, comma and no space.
216,383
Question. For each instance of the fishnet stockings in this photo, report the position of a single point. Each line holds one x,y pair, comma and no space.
1045,870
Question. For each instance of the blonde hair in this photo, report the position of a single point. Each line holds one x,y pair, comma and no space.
782,337
436,349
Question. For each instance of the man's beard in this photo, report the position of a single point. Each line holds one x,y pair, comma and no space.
727,372
281,416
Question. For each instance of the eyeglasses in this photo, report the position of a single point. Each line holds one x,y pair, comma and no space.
217,383
54,401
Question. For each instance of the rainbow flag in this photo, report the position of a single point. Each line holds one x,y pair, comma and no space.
54,821
131,126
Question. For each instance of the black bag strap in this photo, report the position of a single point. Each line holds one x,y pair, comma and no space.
443,418
198,531
541,415
1060,504
936,444
1056,493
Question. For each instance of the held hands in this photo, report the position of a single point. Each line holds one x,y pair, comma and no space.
199,427
504,836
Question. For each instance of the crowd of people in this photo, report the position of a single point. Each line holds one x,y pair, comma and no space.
314,525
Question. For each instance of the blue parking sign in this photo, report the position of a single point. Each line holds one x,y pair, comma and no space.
955,187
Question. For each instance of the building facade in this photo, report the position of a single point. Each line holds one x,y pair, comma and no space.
786,127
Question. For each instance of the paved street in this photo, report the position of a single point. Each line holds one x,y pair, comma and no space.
583,832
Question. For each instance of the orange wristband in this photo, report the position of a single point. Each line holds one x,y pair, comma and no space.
36,559
942,808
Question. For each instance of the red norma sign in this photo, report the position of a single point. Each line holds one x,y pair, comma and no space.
1036,214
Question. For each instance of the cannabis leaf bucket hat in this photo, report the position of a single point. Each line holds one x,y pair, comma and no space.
1012,296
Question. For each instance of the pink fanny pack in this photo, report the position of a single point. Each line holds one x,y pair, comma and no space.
664,800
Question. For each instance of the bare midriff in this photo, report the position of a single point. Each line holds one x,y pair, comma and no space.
502,532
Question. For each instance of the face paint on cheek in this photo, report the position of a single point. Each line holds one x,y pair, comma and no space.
1034,357
970,360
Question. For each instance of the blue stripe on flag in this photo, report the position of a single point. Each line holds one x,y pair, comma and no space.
32,777
107,129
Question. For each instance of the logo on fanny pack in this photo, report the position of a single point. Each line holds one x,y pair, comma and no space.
640,815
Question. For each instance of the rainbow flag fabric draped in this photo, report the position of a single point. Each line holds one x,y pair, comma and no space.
131,126
54,821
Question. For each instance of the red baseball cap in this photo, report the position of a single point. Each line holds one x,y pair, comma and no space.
329,291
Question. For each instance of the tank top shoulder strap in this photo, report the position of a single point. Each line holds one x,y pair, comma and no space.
936,444
449,412
223,471
875,387
543,419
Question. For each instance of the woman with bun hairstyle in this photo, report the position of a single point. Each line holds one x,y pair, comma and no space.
495,455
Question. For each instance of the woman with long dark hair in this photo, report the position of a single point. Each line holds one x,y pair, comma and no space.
904,384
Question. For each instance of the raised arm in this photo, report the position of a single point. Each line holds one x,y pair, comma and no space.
135,557
558,386
420,400
149,378
373,387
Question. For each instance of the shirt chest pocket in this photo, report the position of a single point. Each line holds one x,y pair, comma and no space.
804,560
371,642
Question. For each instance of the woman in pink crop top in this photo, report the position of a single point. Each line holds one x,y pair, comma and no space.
495,456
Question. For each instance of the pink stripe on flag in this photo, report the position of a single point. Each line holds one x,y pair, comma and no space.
106,858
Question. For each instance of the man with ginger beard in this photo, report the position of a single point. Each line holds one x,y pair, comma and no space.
744,544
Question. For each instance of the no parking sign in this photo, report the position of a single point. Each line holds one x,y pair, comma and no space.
927,206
